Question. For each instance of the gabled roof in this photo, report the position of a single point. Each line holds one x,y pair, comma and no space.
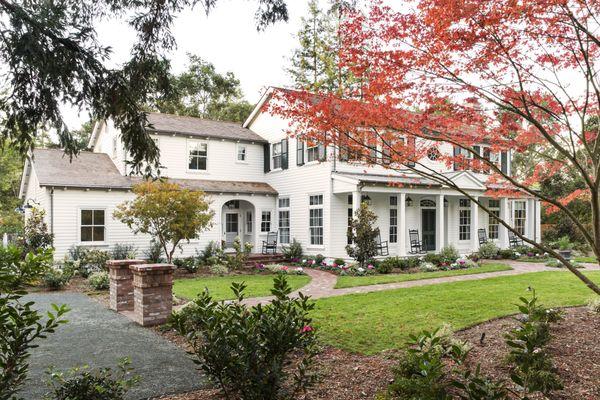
87,170
97,171
192,126
378,179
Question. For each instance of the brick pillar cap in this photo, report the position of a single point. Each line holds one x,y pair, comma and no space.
119,263
152,267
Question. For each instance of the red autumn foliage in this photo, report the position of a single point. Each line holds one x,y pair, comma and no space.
515,75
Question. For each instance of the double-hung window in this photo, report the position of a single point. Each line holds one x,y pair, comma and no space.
350,214
493,217
520,216
312,152
265,221
464,219
315,209
276,155
284,220
248,221
92,225
242,153
393,219
197,155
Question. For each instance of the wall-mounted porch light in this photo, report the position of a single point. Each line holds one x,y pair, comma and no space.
408,201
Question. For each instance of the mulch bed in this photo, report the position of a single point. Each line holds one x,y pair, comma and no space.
574,348
345,376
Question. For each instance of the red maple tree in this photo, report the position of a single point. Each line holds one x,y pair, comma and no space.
515,75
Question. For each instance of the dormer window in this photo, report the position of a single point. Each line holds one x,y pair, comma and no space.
197,155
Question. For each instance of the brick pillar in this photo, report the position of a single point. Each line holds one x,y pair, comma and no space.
121,284
153,293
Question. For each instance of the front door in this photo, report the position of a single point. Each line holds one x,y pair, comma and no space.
428,226
232,226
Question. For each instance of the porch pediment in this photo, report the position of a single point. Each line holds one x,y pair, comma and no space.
466,180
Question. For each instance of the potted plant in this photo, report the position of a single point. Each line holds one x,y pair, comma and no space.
565,247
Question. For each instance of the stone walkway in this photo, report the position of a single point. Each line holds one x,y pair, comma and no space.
99,337
322,283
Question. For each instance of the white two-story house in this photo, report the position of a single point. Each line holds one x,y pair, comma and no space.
259,180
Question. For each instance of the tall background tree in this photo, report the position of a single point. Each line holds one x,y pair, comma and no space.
314,64
11,164
51,55
201,91
519,76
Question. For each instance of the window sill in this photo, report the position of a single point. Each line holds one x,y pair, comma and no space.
315,247
197,171
93,244
276,170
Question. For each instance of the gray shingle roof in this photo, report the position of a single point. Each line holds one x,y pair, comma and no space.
376,179
96,170
176,124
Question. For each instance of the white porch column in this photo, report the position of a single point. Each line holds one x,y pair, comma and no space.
402,224
530,216
474,224
538,221
439,223
355,202
502,230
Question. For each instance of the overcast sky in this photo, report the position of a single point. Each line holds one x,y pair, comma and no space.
227,38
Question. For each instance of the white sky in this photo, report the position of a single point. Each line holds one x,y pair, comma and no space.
227,37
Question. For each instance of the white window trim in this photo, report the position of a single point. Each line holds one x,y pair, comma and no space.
96,243
237,152
272,155
288,209
189,142
260,220
393,207
311,207
467,208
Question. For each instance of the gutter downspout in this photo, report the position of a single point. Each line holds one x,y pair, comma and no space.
52,211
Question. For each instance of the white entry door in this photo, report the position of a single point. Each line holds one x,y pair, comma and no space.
232,228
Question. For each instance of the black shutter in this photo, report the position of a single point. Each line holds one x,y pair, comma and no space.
504,162
284,154
267,157
322,152
299,152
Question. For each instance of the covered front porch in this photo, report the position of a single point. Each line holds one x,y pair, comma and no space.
437,215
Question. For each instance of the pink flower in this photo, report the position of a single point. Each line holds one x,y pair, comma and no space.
334,265
307,328
370,266
284,268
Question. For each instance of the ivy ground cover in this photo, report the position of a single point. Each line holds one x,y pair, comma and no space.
373,322
353,281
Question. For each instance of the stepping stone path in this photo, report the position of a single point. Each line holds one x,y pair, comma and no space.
98,337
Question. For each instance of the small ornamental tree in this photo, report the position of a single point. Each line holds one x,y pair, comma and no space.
467,81
363,235
167,212
35,232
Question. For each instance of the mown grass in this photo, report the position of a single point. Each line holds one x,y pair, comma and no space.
586,259
353,281
220,286
373,322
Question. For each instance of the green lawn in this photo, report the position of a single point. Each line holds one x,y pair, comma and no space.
353,281
372,322
219,286
586,259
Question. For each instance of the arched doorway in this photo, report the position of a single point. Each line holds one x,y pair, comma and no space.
237,218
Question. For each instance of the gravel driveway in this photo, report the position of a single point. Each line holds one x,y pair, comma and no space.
99,337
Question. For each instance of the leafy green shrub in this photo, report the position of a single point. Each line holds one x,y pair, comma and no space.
17,270
389,264
488,250
20,327
56,279
123,252
507,254
363,235
190,264
554,263
248,351
293,252
428,267
35,233
532,367
86,261
218,269
449,254
92,384
319,258
563,243
99,280
433,258
594,305
239,259
211,254
339,261
154,253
